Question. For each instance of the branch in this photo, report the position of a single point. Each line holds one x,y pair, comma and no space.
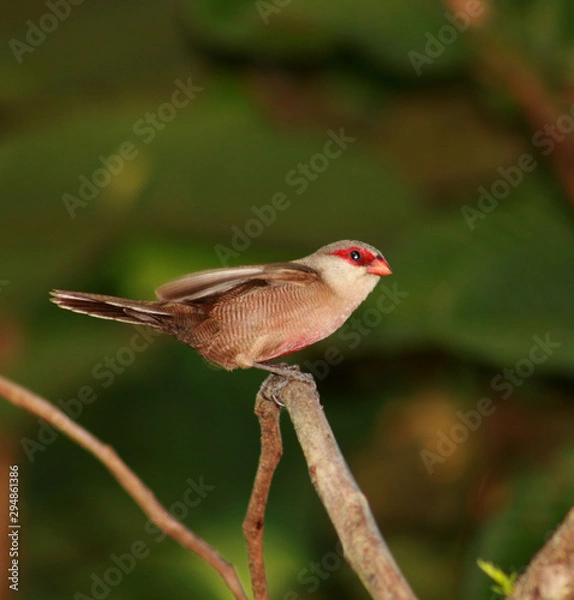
538,106
550,575
505,64
271,451
348,509
126,478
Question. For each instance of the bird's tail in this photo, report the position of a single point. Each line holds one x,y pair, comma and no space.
136,312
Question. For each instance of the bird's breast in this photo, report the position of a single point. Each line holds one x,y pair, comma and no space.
284,319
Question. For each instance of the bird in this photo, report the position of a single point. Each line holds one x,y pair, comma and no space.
247,316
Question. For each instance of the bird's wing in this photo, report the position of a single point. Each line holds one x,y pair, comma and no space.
202,285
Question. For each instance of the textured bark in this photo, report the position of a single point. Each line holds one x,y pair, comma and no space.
550,575
253,526
364,548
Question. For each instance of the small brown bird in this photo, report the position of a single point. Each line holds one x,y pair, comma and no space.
241,317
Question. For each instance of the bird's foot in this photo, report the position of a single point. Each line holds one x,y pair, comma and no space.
281,374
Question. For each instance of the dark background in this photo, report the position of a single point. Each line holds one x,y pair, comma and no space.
460,173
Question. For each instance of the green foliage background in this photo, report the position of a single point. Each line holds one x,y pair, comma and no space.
472,298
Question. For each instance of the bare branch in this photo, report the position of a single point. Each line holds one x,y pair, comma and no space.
550,575
501,62
271,451
364,548
126,478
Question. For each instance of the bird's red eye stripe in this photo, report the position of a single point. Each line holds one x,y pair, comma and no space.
356,256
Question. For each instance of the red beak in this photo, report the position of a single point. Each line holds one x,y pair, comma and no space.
379,266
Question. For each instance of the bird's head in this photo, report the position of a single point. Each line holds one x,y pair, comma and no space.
349,266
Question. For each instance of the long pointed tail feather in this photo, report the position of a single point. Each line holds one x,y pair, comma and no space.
110,307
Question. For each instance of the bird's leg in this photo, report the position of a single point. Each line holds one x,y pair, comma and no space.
283,372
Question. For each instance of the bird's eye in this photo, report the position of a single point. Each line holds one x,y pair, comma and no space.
356,256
